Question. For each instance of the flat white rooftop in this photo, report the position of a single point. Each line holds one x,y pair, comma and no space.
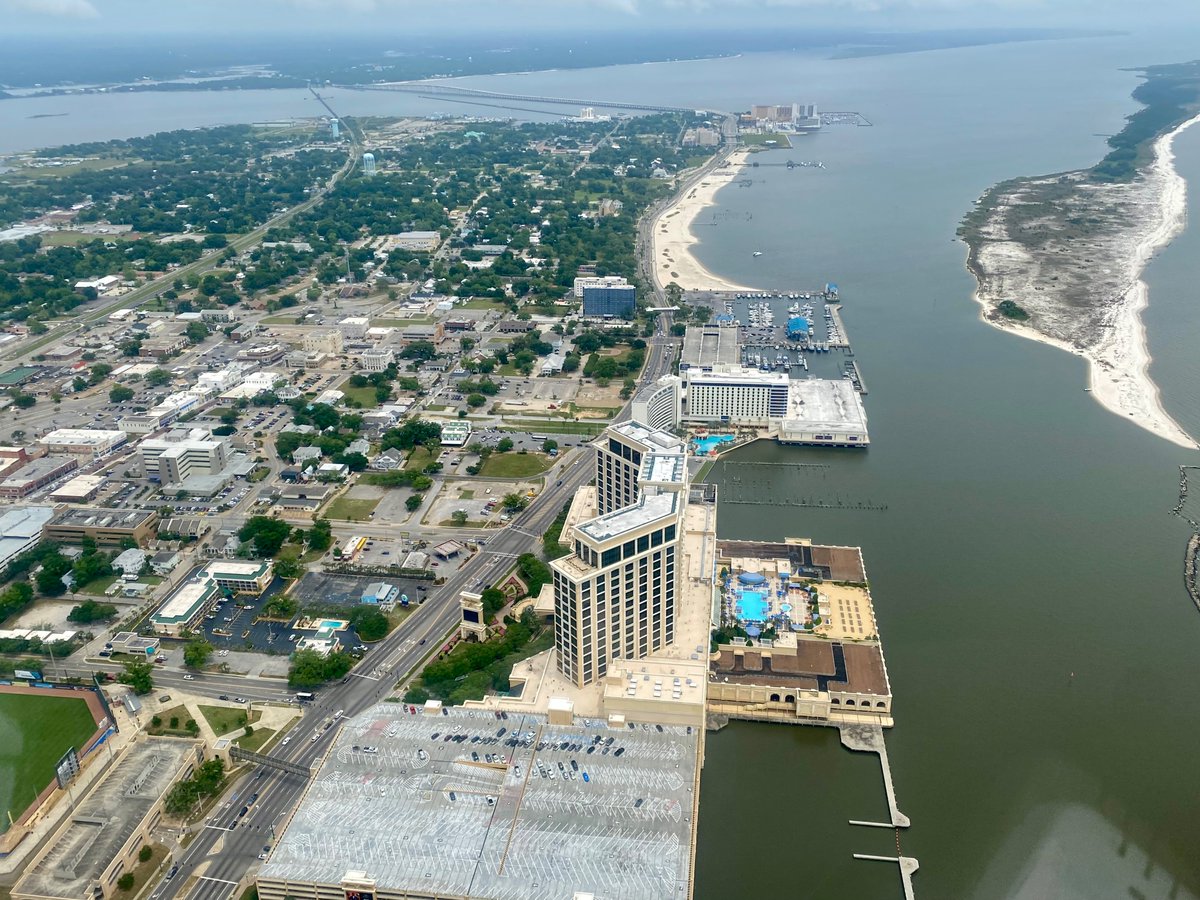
82,436
435,818
649,508
656,440
665,468
824,406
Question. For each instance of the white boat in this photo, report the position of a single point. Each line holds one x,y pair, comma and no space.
758,253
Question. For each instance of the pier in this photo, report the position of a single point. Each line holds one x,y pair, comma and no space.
869,739
908,865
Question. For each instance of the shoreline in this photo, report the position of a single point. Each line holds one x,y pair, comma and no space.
671,232
1119,359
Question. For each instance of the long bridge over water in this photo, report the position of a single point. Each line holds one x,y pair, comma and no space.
432,89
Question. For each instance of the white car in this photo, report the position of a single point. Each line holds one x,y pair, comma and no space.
189,677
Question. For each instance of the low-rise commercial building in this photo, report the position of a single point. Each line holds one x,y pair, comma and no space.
35,475
329,342
91,443
79,489
455,434
21,529
102,525
205,588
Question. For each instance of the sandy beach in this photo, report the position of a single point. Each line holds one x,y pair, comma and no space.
673,238
1111,337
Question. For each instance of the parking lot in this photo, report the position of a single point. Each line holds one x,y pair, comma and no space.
319,589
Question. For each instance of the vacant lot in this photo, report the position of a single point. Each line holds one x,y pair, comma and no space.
36,731
514,465
348,508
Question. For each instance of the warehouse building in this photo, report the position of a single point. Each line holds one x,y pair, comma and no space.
102,525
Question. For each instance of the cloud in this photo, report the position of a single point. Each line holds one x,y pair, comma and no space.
57,9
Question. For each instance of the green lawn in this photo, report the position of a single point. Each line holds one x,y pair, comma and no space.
255,740
37,730
224,719
363,396
354,510
180,713
419,459
514,465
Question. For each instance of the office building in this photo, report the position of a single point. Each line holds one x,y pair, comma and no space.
736,395
329,341
170,461
608,301
35,475
102,525
354,328
91,443
191,601
374,360
584,281
615,596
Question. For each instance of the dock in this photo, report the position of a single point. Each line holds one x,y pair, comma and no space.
908,865
869,739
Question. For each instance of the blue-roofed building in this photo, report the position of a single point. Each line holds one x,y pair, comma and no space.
798,328
724,319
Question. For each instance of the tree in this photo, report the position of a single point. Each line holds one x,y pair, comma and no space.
99,372
268,534
196,653
157,377
493,601
414,501
90,611
476,400
125,882
310,669
515,502
459,517
120,394
320,536
139,675
371,624
420,350
288,568
49,578
549,445
145,853
196,331
504,445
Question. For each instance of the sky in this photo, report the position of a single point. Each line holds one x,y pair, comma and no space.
434,16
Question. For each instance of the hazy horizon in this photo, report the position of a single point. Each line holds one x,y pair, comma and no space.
275,17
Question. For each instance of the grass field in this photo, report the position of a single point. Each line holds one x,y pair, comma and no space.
36,732
224,719
353,510
418,459
514,465
363,396
772,141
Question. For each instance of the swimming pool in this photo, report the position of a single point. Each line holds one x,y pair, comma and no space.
752,607
707,444
332,624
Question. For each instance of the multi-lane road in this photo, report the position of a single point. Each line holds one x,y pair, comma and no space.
218,858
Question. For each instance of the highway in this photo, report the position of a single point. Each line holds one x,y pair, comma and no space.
213,865
216,860
235,852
